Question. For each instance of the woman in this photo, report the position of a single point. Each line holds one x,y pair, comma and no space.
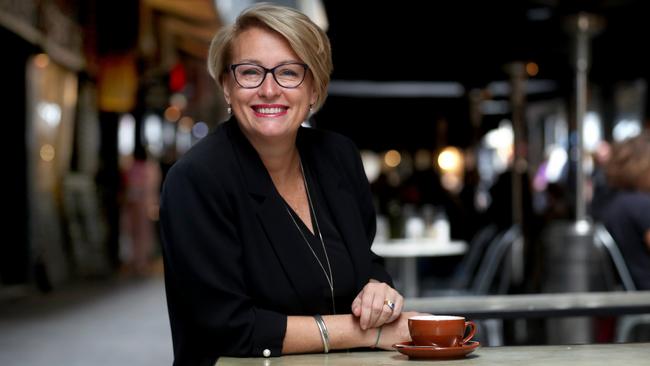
267,226
625,214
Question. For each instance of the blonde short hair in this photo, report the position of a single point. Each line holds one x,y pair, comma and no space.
306,39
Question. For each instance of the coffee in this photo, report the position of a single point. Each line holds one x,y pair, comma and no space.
440,330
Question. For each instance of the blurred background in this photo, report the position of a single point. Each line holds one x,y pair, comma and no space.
470,115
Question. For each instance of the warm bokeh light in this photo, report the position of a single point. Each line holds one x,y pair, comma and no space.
172,113
47,152
450,159
392,158
532,69
185,124
451,182
178,100
41,60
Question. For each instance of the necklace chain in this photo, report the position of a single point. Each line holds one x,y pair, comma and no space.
330,277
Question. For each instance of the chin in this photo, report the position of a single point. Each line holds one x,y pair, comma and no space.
273,128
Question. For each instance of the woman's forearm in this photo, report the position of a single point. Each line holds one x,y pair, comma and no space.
303,336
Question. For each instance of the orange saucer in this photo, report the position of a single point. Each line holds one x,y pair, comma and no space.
413,351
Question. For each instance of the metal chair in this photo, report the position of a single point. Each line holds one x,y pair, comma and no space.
627,324
484,281
462,277
479,276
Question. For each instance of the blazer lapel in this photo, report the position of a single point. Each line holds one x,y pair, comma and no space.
288,245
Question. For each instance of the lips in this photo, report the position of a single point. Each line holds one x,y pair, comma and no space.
270,110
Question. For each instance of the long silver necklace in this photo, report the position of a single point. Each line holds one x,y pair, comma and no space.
330,277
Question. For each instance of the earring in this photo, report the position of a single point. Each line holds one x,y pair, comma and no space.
229,110
311,108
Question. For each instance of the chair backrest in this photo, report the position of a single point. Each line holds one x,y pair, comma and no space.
493,258
467,267
604,239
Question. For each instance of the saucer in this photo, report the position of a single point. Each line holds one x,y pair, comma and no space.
413,351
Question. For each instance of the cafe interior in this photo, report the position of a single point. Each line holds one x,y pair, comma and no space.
482,128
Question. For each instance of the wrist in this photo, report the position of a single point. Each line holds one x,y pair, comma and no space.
345,332
378,337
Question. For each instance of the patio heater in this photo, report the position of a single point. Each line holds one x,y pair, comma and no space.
572,261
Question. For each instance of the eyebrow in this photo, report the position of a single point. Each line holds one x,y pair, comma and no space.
258,62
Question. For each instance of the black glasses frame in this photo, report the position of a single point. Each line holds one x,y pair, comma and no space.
267,71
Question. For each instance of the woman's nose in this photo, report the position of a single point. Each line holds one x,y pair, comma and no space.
269,87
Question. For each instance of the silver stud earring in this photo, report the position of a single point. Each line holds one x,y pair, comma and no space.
229,110
311,108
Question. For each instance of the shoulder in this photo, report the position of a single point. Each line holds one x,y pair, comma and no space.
204,161
631,198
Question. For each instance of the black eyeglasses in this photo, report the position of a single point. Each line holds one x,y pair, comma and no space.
250,76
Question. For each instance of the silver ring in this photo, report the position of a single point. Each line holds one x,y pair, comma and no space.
390,304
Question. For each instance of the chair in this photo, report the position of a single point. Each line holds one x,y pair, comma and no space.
477,274
627,324
484,281
604,240
494,257
460,280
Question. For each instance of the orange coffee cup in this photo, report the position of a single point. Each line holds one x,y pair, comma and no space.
440,330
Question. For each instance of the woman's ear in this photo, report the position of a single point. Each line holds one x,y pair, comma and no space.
226,89
314,97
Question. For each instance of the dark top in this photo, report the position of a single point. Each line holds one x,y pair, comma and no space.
627,217
235,265
337,252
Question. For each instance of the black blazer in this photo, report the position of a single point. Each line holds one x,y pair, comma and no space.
235,267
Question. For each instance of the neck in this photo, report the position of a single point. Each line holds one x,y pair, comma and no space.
280,158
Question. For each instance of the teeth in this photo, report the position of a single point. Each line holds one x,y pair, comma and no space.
269,110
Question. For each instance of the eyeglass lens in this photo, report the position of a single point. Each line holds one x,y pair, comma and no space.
252,76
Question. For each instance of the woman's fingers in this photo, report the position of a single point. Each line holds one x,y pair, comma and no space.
367,304
356,305
387,307
399,305
376,305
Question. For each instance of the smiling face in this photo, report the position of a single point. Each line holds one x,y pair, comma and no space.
268,113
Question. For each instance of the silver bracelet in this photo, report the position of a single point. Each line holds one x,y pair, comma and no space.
324,335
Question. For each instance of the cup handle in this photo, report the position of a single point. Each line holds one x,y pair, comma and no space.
472,330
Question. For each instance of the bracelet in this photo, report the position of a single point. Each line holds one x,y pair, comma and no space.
324,335
378,335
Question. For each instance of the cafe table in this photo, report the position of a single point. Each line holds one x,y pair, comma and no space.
406,251
628,354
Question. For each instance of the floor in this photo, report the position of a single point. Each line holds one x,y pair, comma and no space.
121,321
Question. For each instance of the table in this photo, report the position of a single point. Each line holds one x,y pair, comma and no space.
629,354
535,305
408,250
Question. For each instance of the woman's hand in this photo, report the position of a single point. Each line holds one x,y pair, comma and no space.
396,332
371,305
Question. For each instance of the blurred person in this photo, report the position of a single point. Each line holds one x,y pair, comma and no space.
139,210
602,192
266,225
626,212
